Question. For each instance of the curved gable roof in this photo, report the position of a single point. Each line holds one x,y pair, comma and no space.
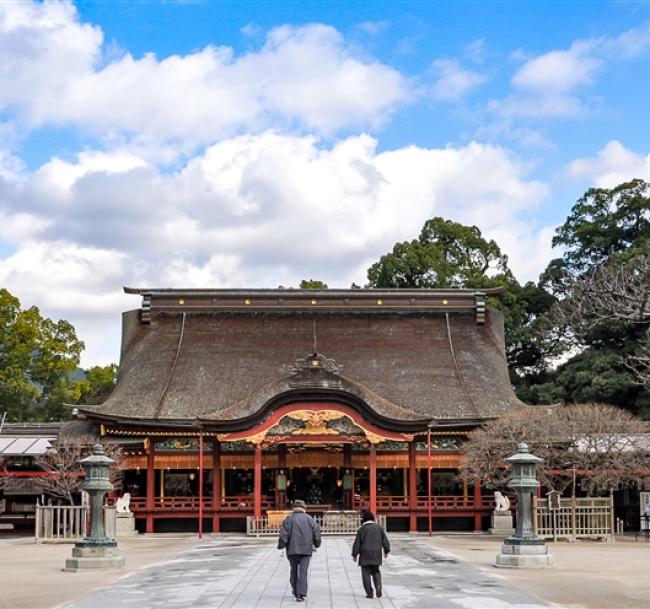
408,362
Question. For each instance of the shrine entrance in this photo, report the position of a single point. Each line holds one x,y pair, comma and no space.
321,488
324,453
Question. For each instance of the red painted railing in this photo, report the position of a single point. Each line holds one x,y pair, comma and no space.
440,503
244,503
239,503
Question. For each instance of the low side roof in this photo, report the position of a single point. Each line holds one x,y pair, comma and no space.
25,446
408,361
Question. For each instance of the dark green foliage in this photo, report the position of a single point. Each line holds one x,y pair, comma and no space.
605,227
312,284
96,386
37,359
446,255
605,222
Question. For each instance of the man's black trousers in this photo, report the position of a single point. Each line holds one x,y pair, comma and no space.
368,571
298,578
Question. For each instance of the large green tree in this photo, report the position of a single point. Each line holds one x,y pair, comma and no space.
37,359
96,385
445,255
602,319
313,284
451,255
604,223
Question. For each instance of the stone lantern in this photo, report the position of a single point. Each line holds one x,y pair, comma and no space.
95,551
524,549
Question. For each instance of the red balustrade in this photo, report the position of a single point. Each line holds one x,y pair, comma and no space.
447,502
238,503
394,502
244,503
439,503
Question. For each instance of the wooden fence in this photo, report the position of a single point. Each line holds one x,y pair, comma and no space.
342,523
68,523
574,518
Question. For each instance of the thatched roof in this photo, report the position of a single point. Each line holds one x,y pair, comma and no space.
225,356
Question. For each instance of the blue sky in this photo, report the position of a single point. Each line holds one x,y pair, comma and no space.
258,143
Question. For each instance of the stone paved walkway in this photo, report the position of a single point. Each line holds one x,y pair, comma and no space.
241,573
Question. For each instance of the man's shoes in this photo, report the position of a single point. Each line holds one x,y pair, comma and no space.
379,593
369,596
300,599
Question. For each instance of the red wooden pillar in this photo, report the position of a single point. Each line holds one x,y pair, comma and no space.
477,505
201,485
151,485
413,488
373,479
257,482
429,506
216,485
348,495
281,495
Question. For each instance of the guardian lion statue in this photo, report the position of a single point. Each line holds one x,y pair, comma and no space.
122,505
502,502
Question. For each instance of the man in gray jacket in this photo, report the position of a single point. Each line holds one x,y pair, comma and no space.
299,534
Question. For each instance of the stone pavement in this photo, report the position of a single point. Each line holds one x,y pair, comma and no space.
243,573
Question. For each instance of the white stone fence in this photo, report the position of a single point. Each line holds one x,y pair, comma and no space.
68,523
574,518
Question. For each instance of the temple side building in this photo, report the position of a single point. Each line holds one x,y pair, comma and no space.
231,403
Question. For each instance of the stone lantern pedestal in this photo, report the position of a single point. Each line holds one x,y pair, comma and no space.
524,550
96,551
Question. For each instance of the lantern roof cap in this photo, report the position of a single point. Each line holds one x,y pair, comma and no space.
97,457
522,456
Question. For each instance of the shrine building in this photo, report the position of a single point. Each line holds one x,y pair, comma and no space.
232,403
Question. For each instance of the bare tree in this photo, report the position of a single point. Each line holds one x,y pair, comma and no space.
601,445
61,462
640,362
616,290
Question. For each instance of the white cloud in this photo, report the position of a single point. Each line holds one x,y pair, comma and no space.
630,43
63,174
306,76
476,51
559,71
612,165
16,226
44,49
549,84
10,166
256,210
454,81
373,28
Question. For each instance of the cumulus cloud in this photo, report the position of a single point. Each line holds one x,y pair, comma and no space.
242,205
305,76
44,49
559,70
259,210
548,85
454,81
612,165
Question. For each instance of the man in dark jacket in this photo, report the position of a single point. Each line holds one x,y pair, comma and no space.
299,534
368,546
